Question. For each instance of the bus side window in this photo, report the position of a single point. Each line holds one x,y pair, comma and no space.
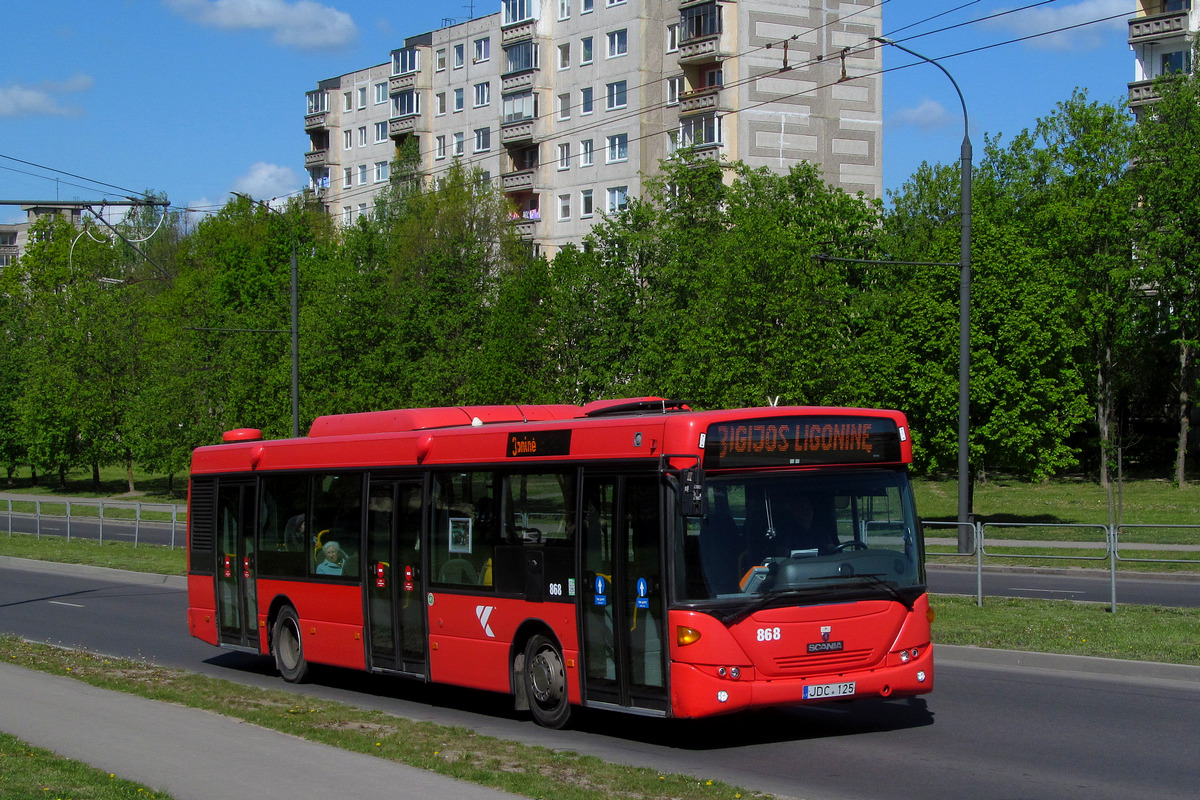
539,529
335,525
282,537
465,529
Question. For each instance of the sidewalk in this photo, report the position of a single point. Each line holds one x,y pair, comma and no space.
198,755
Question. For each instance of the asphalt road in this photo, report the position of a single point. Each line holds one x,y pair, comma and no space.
993,727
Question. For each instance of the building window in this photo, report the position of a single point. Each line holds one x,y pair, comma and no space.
458,99
381,93
347,177
347,211
674,89
564,9
564,56
440,148
459,143
483,49
483,94
616,95
347,140
672,142
381,171
318,102
362,136
407,103
586,151
618,148
587,100
1179,61
564,106
347,101
459,55
586,6
519,107
564,156
713,78
439,60
406,61
585,50
381,132
362,174
564,207
521,57
672,37
618,43
517,11
362,97
618,199
700,130
483,140
700,21
440,103
586,208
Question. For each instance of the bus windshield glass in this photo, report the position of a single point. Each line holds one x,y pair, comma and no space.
815,536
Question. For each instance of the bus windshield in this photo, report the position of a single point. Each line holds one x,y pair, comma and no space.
810,537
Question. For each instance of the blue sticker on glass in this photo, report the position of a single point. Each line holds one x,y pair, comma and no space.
600,585
643,602
643,588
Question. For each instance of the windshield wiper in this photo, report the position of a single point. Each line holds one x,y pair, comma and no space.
769,599
876,579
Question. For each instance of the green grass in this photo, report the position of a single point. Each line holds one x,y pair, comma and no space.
458,752
30,773
113,555
1140,633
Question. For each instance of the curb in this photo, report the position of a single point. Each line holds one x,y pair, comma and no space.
100,573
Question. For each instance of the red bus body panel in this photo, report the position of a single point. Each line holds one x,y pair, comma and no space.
202,608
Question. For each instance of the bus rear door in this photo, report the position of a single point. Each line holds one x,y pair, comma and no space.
623,623
395,609
236,570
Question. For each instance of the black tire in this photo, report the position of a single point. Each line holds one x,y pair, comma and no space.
288,647
545,678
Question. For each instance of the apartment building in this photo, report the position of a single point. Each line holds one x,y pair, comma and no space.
567,105
1160,34
14,237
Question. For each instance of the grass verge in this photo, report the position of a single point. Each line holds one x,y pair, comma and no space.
113,555
30,773
457,752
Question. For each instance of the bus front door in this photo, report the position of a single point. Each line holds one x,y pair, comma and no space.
395,608
622,594
237,606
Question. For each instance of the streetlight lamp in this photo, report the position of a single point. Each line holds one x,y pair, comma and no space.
295,329
964,311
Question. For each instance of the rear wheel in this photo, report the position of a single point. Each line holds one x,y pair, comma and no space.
288,648
545,679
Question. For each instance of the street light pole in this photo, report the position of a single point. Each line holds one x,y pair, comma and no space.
965,543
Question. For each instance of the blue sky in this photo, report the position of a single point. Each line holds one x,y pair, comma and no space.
198,98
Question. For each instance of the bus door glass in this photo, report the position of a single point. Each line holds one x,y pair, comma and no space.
623,622
237,608
395,610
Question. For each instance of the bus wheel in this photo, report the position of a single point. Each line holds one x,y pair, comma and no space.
546,683
287,648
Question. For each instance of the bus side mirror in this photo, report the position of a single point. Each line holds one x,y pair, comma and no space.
691,492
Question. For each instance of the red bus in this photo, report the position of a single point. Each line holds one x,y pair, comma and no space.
627,554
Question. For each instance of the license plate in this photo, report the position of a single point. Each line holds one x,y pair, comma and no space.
819,691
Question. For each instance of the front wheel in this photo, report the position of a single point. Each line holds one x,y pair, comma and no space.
287,647
545,679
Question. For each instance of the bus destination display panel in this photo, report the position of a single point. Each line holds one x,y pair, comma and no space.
802,441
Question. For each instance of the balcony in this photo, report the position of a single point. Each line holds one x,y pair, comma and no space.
517,81
521,180
515,33
1158,26
399,83
315,122
317,158
700,100
517,132
698,51
402,126
1141,93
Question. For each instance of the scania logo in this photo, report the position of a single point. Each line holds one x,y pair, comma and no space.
826,630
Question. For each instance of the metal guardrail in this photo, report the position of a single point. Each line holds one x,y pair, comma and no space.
1105,544
177,515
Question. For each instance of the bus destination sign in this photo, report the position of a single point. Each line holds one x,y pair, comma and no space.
536,444
801,441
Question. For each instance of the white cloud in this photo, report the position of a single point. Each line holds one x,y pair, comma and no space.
1052,17
267,181
302,24
928,116
41,99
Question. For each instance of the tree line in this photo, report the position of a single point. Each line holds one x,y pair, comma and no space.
721,285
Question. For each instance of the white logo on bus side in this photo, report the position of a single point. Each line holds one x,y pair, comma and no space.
485,613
